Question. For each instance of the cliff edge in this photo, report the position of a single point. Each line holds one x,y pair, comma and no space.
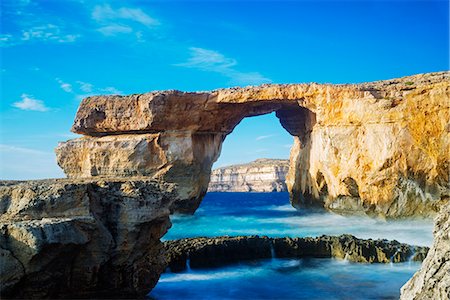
261,175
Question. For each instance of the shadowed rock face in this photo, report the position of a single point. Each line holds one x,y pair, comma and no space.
378,148
213,252
432,281
82,238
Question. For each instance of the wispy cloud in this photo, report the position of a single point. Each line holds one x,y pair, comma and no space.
48,32
85,87
28,103
67,87
10,148
124,20
106,13
115,29
263,137
41,33
214,61
6,40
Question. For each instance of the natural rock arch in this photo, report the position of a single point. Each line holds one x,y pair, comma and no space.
379,147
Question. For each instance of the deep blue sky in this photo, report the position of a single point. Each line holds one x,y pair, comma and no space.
54,53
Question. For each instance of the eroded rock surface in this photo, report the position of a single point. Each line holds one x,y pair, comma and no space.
432,281
261,175
82,238
213,252
378,148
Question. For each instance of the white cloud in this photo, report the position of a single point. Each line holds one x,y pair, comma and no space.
214,61
111,90
115,29
106,14
48,32
124,20
67,87
28,103
6,40
263,137
85,87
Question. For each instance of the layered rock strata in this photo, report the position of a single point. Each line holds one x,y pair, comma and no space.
432,281
261,175
213,252
82,238
378,148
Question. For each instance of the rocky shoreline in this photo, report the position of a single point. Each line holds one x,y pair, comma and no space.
82,238
218,251
378,148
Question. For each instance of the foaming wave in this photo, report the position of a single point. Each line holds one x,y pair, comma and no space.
198,276
286,207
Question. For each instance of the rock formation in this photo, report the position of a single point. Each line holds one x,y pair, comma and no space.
82,238
378,148
261,175
213,252
432,281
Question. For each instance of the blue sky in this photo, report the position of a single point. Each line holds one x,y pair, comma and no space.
54,53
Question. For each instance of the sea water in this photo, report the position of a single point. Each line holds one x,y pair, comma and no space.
270,214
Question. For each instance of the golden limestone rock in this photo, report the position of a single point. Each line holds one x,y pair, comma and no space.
380,148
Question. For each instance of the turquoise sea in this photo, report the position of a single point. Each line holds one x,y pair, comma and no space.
270,214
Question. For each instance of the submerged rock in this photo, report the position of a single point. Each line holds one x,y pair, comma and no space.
432,281
218,251
82,238
261,175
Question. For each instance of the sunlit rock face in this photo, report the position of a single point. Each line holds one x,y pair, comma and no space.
178,157
378,148
432,281
261,175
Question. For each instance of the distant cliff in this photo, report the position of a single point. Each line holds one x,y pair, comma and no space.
261,175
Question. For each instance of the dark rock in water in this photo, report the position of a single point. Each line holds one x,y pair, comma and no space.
82,238
213,252
432,281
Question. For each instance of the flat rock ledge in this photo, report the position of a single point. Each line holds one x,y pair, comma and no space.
214,252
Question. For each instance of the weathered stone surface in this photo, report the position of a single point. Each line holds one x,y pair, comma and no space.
261,175
175,157
432,281
213,252
82,238
378,148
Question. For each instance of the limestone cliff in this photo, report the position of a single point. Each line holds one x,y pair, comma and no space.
432,281
82,238
261,175
378,148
